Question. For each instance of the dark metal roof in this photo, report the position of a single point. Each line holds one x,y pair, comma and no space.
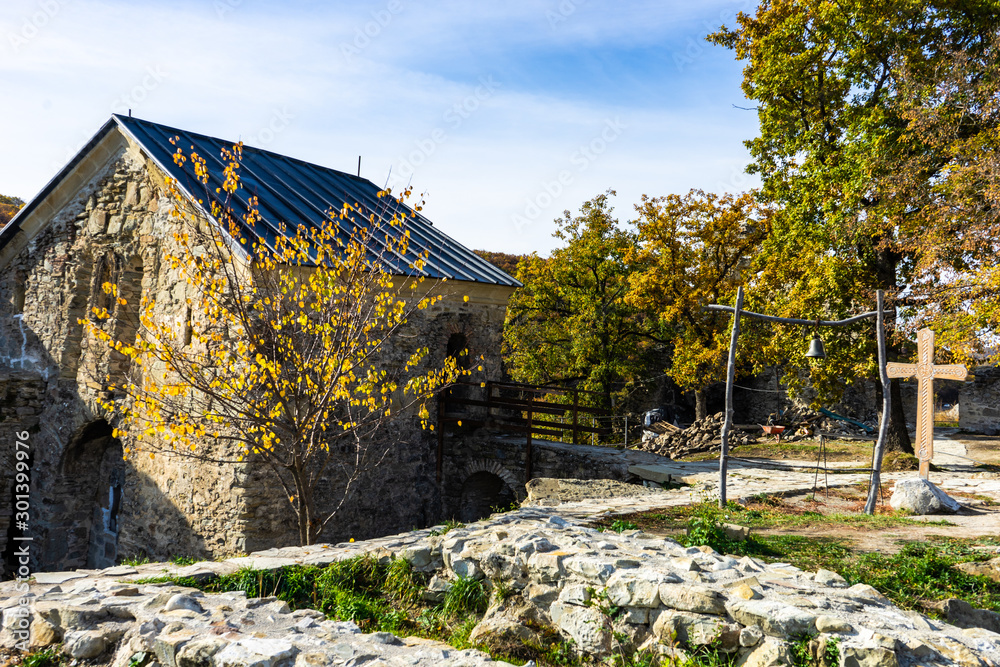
291,192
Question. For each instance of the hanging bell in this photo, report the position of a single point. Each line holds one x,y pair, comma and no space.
816,350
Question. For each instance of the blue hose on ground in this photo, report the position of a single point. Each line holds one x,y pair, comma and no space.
834,415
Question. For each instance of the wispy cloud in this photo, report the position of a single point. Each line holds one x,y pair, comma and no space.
563,68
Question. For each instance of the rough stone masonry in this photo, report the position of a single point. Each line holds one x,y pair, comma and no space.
669,599
106,218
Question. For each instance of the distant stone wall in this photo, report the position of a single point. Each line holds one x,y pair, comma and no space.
758,397
979,402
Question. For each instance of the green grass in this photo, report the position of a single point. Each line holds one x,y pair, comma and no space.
919,574
47,657
183,560
763,517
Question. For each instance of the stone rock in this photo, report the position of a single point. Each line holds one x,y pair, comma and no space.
963,615
989,569
509,623
875,656
254,652
832,624
44,633
199,652
466,568
745,592
735,532
697,599
829,578
750,636
768,653
548,491
774,618
922,497
588,627
180,601
866,592
85,645
687,628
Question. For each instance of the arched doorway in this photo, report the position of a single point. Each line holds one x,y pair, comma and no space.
90,490
482,494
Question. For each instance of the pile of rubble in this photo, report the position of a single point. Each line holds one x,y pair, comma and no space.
607,592
802,423
704,435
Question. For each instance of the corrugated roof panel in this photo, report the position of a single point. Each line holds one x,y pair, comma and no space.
292,192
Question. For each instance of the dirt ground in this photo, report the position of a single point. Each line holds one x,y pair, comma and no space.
980,518
985,448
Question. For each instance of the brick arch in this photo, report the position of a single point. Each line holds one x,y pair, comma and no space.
492,466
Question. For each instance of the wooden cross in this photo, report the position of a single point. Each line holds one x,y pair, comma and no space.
926,371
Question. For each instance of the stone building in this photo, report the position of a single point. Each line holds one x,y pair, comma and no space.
105,218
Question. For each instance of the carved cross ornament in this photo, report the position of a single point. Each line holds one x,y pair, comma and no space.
925,372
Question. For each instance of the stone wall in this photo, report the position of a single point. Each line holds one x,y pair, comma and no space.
89,508
979,402
484,471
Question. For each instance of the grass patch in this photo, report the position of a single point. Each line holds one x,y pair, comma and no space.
920,574
762,512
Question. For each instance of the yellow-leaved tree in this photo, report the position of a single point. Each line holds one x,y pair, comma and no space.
291,356
694,251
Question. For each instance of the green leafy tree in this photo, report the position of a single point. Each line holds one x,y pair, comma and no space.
571,324
864,147
694,251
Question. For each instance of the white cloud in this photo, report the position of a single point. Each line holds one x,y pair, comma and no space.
230,76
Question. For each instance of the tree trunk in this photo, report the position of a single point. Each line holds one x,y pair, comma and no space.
898,438
700,404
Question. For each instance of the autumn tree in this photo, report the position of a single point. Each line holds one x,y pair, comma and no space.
571,323
9,206
290,356
693,251
505,261
864,148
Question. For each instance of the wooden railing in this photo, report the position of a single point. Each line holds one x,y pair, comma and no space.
521,408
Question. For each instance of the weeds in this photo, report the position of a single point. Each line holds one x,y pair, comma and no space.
183,560
449,525
47,657
466,595
136,560
620,526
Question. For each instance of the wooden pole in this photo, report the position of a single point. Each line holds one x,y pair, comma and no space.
528,452
727,425
883,427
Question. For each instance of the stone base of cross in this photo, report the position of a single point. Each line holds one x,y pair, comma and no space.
925,372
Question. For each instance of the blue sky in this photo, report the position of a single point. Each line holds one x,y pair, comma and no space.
504,113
